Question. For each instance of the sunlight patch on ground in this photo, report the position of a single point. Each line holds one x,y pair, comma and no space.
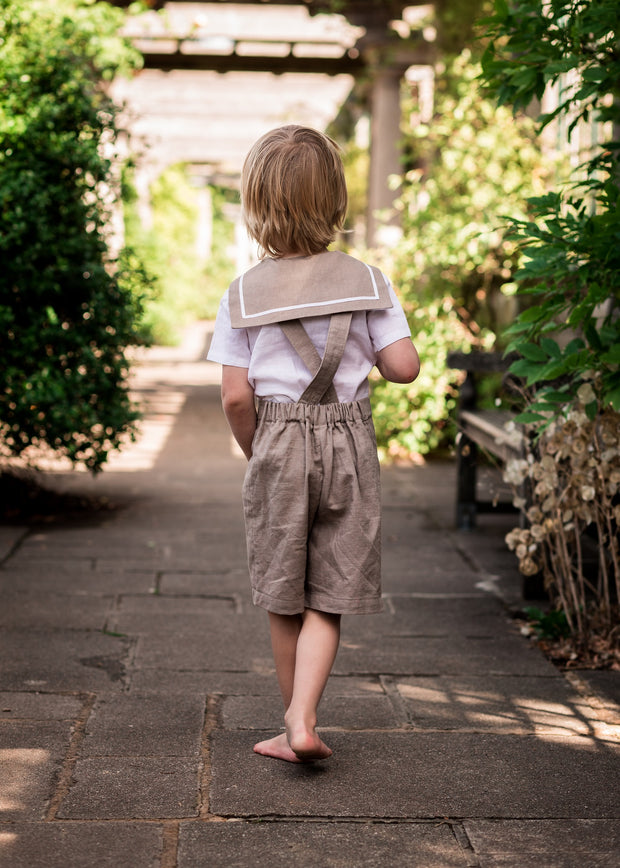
160,416
16,776
438,706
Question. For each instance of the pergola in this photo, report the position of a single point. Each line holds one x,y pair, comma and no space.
373,52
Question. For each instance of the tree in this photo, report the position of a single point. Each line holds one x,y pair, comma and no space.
67,311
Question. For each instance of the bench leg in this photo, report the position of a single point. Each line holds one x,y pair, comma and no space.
467,455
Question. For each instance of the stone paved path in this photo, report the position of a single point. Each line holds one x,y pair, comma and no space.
135,677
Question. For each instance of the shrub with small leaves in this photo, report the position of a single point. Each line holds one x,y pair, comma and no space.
66,311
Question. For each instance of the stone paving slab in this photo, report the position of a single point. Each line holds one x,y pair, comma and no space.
549,843
553,860
420,775
68,660
169,562
428,578
421,564
156,613
158,546
10,536
498,704
30,756
439,655
330,845
75,578
231,643
437,615
38,706
35,549
132,788
347,712
145,726
605,683
33,554
260,681
80,845
254,683
207,582
55,611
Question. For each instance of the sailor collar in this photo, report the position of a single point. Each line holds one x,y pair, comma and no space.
277,290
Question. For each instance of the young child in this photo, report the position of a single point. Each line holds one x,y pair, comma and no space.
297,336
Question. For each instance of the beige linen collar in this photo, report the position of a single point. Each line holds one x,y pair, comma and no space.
277,290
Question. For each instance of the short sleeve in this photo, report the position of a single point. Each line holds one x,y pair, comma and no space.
229,346
385,327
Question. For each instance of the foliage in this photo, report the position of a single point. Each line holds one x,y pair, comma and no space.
571,275
547,625
66,312
456,24
569,335
356,160
571,245
184,287
534,42
411,419
453,267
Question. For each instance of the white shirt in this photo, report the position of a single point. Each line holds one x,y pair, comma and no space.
276,372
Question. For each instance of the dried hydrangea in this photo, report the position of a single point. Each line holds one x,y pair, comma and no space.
572,475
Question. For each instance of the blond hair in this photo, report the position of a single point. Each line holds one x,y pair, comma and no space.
293,191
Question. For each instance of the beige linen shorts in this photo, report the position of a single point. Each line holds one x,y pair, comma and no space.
312,507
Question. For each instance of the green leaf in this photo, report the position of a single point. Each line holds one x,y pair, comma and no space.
593,336
551,347
527,416
524,368
561,66
594,73
517,328
544,407
531,315
612,356
533,352
556,397
574,346
614,398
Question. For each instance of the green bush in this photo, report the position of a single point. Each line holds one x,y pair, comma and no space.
414,419
184,287
66,312
453,267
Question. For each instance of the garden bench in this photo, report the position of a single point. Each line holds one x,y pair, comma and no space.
479,428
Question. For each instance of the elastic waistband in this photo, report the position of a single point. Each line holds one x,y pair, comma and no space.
318,414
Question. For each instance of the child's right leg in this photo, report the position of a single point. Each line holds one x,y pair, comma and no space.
304,649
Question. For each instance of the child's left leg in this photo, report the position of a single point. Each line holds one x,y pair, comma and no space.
304,649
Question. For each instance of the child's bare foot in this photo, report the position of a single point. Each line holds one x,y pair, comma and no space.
306,744
278,748
308,749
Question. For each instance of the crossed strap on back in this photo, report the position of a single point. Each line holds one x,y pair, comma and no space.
321,389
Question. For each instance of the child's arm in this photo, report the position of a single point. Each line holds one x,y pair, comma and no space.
239,407
399,362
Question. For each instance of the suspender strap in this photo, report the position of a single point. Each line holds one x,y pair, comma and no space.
321,389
